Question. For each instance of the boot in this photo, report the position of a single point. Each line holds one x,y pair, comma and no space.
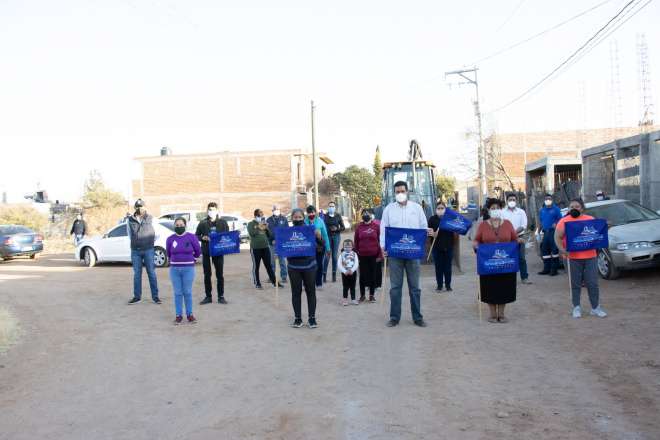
546,267
553,266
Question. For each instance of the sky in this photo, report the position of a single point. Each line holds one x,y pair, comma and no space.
91,84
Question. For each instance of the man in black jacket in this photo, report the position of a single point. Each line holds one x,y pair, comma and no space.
142,235
78,229
212,223
334,223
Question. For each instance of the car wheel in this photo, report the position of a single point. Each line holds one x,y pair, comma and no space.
89,257
606,267
160,257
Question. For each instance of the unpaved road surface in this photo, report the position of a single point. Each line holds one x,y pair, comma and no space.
87,366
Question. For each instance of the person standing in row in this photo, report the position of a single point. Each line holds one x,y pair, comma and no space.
549,216
348,264
78,229
499,289
518,218
403,213
182,250
367,246
321,252
260,239
302,273
277,220
142,235
212,224
582,265
443,248
334,223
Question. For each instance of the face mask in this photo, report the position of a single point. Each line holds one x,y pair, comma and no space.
79,218
511,204
348,249
600,198
548,202
440,212
179,230
575,213
257,219
401,197
311,217
495,213
298,222
212,213
366,217
277,213
331,210
141,211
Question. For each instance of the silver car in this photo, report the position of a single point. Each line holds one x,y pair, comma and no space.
634,235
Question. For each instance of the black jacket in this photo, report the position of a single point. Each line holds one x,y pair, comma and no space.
142,233
445,240
206,226
79,227
334,224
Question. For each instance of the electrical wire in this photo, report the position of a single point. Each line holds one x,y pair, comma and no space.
520,3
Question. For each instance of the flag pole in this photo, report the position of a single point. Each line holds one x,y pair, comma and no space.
479,296
277,282
382,294
428,257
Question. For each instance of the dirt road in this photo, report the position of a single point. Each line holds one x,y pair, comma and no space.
87,366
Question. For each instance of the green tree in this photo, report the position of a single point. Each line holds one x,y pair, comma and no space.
361,186
445,185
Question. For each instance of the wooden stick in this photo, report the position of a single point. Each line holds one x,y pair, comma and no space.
479,296
277,282
570,282
428,257
382,294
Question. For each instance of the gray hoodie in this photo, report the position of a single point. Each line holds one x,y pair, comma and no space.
142,232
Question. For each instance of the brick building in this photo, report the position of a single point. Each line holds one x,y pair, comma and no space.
238,181
508,153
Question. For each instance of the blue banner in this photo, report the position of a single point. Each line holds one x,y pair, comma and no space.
454,222
296,241
583,235
497,258
223,243
408,244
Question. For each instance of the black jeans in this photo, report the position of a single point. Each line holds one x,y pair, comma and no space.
368,269
442,259
298,279
218,264
257,256
348,283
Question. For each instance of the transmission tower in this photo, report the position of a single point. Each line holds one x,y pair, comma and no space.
615,90
645,89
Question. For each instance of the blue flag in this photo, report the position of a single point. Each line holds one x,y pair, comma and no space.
222,243
408,244
454,222
583,235
497,258
296,241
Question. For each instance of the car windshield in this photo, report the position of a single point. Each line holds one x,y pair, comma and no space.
168,224
622,213
10,230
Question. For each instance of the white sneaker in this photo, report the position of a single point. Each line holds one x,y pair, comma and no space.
354,302
577,312
344,302
598,312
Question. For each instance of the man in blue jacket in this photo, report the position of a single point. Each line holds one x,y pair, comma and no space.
323,252
143,236
549,216
277,220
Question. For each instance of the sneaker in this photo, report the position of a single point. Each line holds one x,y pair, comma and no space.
206,300
157,301
222,300
134,301
319,288
438,289
392,323
544,272
449,289
577,312
192,319
598,312
362,298
525,281
297,323
259,286
344,302
311,323
372,299
354,302
420,323
178,320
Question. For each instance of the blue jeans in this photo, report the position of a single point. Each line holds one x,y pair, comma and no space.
182,280
411,267
442,260
144,258
283,271
334,248
522,261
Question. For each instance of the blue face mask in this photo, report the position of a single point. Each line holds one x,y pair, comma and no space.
331,210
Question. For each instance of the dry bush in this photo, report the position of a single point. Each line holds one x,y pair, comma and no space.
100,219
23,215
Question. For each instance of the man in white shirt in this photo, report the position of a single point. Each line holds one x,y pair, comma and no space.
518,218
403,214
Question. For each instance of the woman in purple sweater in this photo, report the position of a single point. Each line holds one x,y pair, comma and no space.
182,249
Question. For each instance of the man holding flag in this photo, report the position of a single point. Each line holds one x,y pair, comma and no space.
582,263
403,213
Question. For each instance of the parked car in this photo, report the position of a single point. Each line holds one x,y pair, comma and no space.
634,236
235,222
115,246
19,241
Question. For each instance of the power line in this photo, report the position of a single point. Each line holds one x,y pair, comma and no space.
550,29
566,61
520,3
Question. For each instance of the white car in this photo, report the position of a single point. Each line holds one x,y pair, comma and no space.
235,222
115,246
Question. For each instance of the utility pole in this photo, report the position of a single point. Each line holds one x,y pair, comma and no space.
316,182
481,151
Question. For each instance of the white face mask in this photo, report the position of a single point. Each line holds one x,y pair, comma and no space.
548,202
277,213
440,212
348,249
258,219
511,204
600,198
212,213
495,213
401,197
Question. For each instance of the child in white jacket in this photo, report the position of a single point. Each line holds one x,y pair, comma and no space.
348,266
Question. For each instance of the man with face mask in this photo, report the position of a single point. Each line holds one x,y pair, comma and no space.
549,216
78,229
143,236
581,264
403,213
277,220
212,223
322,252
335,226
518,218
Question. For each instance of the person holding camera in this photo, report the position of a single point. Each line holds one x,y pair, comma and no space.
260,238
